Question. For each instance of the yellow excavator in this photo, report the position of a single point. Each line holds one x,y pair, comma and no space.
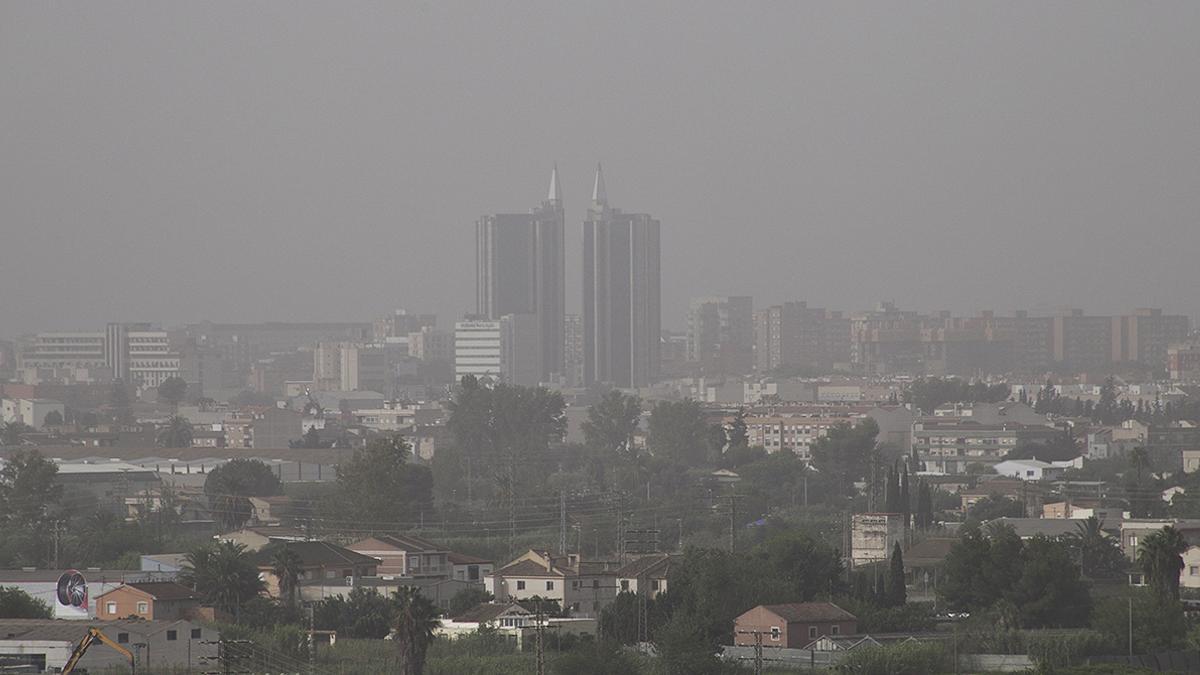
93,636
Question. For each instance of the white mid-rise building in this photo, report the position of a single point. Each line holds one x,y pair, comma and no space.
477,349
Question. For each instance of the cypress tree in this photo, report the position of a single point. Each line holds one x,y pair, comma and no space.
924,506
897,595
891,499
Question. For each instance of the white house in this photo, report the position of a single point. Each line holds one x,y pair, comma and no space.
1035,469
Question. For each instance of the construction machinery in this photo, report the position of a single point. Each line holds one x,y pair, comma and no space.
93,636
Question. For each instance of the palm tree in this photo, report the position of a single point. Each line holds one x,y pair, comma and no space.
287,568
177,433
1088,537
223,574
1161,558
416,619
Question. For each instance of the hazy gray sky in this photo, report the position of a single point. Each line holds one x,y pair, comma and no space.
242,161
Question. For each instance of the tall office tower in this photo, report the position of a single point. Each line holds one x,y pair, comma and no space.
520,269
622,323
721,334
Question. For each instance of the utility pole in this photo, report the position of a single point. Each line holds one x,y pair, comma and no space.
562,520
540,632
1130,600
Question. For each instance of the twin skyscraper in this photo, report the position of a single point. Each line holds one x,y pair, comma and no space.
521,269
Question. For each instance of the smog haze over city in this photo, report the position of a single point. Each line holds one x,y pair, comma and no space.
610,338
306,161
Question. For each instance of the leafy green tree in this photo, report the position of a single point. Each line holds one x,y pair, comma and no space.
715,440
363,613
1034,584
677,431
311,439
605,657
224,575
897,594
17,604
612,421
118,402
799,565
11,432
1107,410
176,434
1049,592
52,419
287,567
416,619
172,390
996,506
739,436
1160,557
378,484
230,486
1060,448
28,489
683,648
466,599
1158,625
843,454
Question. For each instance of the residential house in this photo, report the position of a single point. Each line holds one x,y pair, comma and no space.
152,600
793,625
646,575
1032,469
405,556
1189,576
468,568
1134,530
320,561
516,621
1032,495
582,587
258,537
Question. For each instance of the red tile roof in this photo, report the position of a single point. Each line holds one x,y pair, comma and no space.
810,611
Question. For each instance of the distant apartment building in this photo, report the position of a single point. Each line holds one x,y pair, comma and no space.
1183,361
796,432
949,445
133,353
886,340
239,345
505,350
521,269
721,334
400,324
431,344
622,322
1146,335
798,335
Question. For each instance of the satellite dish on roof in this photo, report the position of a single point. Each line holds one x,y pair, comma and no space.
72,589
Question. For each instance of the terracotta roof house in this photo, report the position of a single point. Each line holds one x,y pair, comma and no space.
319,561
793,625
151,600
468,567
405,556
646,575
580,586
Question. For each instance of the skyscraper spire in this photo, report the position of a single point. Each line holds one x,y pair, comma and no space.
555,194
599,194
